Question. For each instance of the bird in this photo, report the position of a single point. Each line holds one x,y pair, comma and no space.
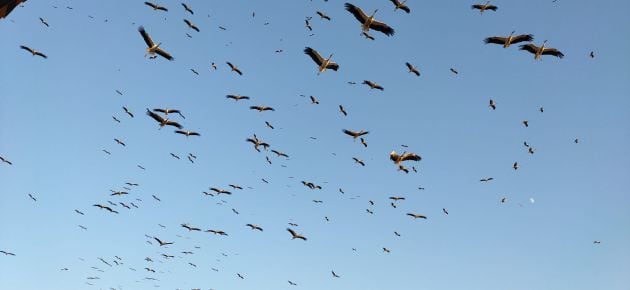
237,97
401,6
236,186
322,15
6,253
363,142
354,134
359,161
240,276
515,165
261,108
5,161
530,150
120,142
189,228
79,212
153,48
107,152
594,242
163,122
175,156
510,39
396,233
367,36
444,211
161,242
486,179
373,85
43,22
541,109
542,50
217,232
403,157
323,64
396,198
269,125
492,105
115,119
311,185
32,51
257,142
368,23
454,71
417,216
526,123
254,227
187,8
484,7
127,111
314,101
576,141
292,283
592,54
342,110
280,153
156,198
295,235
412,69
169,111
220,191
335,274
155,6
119,193
386,250
191,25
234,68
32,197
308,24
105,207
187,133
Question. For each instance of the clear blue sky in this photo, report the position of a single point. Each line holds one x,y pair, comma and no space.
56,118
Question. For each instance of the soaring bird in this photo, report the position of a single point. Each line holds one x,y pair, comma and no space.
187,8
515,166
363,142
335,274
417,216
322,15
525,123
295,235
127,111
311,185
367,36
280,153
169,111
396,198
161,242
511,39
359,161
401,5
486,179
308,24
236,186
115,119
269,125
254,227
234,68
262,108
492,105
153,48
217,232
120,142
155,6
484,7
32,51
342,110
257,142
6,253
43,22
373,85
163,122
454,71
32,197
237,97
219,190
187,133
403,157
189,228
105,207
368,23
314,101
354,134
5,161
191,25
412,69
323,64
542,50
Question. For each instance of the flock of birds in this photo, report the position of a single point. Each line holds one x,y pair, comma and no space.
173,118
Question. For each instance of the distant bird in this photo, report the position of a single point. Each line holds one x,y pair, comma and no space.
156,198
153,48
396,198
257,142
576,141
120,142
32,197
280,153
594,242
403,157
510,39
354,134
163,122
32,51
220,191
43,22
526,123
541,109
492,105
311,185
119,92
542,50
269,125
6,253
217,232
175,156
515,165
105,207
187,133
484,7
292,283
417,216
323,64
107,152
363,142
401,6
234,68
187,8
396,233
308,25
115,119
295,235
486,179
119,193
161,242
189,228
386,250
412,69
592,54
254,227
373,85
169,111
368,23
342,110
359,161
236,186
240,276
314,101
261,108
127,111
155,6
454,71
444,211
79,212
322,15
191,25
367,36
237,97
335,274
369,211
5,161
194,71
530,150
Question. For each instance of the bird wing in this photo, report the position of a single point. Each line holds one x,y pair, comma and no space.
357,12
174,124
553,51
164,54
522,37
405,8
495,40
151,4
26,48
155,116
40,54
333,66
314,55
492,7
382,27
348,132
529,47
145,35
410,156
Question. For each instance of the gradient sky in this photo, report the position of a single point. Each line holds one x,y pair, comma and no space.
56,118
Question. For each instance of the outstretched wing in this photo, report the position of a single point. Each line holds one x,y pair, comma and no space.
495,40
382,27
522,37
530,47
145,35
357,12
553,51
155,116
314,55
